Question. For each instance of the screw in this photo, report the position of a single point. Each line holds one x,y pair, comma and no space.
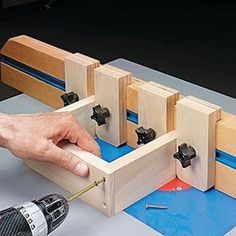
179,188
155,206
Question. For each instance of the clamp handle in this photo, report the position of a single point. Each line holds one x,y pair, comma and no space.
69,98
185,154
145,135
100,114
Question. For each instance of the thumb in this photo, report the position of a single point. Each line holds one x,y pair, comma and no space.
67,160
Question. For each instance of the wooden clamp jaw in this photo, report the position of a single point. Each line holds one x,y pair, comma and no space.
196,125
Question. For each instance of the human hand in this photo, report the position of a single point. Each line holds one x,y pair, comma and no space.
36,136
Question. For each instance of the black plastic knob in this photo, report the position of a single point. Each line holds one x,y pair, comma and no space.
185,154
145,135
100,114
69,98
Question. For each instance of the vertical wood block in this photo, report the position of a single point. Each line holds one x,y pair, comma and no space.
79,74
82,111
131,134
110,92
226,134
196,126
156,104
225,179
132,95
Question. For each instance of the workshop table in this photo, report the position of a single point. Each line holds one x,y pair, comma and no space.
19,183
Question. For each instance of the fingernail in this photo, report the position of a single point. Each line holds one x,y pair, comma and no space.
81,169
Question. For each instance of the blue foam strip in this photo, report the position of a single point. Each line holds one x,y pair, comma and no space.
57,83
226,159
111,153
132,116
190,212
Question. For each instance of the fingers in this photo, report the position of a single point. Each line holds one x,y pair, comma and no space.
81,137
87,142
66,160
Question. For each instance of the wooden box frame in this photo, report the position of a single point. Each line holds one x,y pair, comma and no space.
152,164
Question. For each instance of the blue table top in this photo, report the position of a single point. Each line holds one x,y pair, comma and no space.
190,211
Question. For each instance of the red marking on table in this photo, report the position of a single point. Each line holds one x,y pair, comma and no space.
175,185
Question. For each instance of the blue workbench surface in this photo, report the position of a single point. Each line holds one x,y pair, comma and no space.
190,211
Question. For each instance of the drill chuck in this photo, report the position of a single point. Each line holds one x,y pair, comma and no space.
36,218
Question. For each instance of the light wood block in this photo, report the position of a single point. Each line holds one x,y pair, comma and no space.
144,170
36,54
132,95
110,92
226,133
225,179
31,86
131,134
156,107
79,74
82,111
100,197
196,123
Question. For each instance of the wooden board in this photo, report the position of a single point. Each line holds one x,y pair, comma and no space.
143,170
156,106
100,197
132,96
131,134
31,86
82,111
36,54
225,179
226,133
110,92
79,74
196,124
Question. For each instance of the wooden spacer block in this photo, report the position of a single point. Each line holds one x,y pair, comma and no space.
82,111
225,179
31,86
156,104
196,126
226,134
110,92
131,134
79,74
36,54
132,95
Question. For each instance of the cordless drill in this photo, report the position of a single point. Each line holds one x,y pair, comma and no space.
38,217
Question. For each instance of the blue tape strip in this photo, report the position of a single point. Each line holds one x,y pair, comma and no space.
226,159
57,83
132,116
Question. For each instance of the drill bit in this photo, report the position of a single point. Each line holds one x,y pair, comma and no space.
86,189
